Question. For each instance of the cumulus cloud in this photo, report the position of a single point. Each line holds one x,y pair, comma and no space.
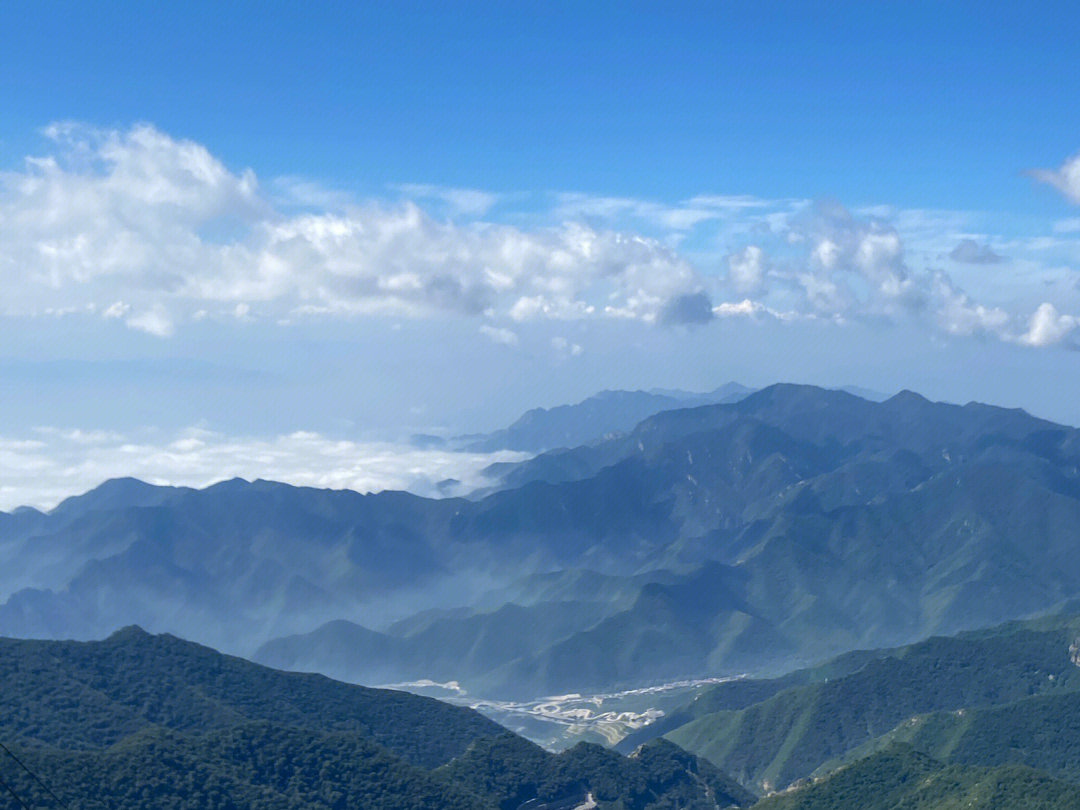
841,266
154,321
164,226
968,251
156,232
861,259
42,469
1047,326
1065,178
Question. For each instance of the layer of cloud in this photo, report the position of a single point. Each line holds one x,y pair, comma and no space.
42,469
156,232
831,263
157,228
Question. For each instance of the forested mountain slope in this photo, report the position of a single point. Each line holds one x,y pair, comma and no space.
755,537
142,721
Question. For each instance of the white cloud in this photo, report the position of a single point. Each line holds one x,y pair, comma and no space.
745,308
165,227
1065,178
843,267
1047,326
57,463
564,347
499,335
117,309
958,315
154,321
156,232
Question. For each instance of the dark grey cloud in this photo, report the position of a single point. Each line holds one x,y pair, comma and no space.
687,309
969,251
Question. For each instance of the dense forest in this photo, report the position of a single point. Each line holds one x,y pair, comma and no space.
140,721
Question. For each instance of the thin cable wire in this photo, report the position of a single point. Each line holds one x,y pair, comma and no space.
11,790
35,777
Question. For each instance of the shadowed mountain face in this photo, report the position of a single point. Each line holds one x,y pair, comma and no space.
791,525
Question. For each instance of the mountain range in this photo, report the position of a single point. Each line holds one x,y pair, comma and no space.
139,720
754,536
598,417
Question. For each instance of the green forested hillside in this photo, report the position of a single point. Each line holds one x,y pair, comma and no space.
143,721
788,735
509,771
90,695
1042,732
903,779
253,765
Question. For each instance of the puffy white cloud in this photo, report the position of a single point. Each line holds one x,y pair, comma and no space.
165,227
156,232
845,267
1065,178
42,470
154,321
745,308
856,264
1047,326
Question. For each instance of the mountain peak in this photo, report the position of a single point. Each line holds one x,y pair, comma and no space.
130,633
908,396
111,494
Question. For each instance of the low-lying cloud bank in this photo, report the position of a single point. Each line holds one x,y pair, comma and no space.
52,464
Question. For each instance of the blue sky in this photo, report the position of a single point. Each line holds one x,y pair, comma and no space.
225,224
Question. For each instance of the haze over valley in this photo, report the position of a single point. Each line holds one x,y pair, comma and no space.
539,406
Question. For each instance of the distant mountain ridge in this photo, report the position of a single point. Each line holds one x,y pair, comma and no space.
753,536
594,419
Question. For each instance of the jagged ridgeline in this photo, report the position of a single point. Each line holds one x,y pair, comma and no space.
748,537
142,721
